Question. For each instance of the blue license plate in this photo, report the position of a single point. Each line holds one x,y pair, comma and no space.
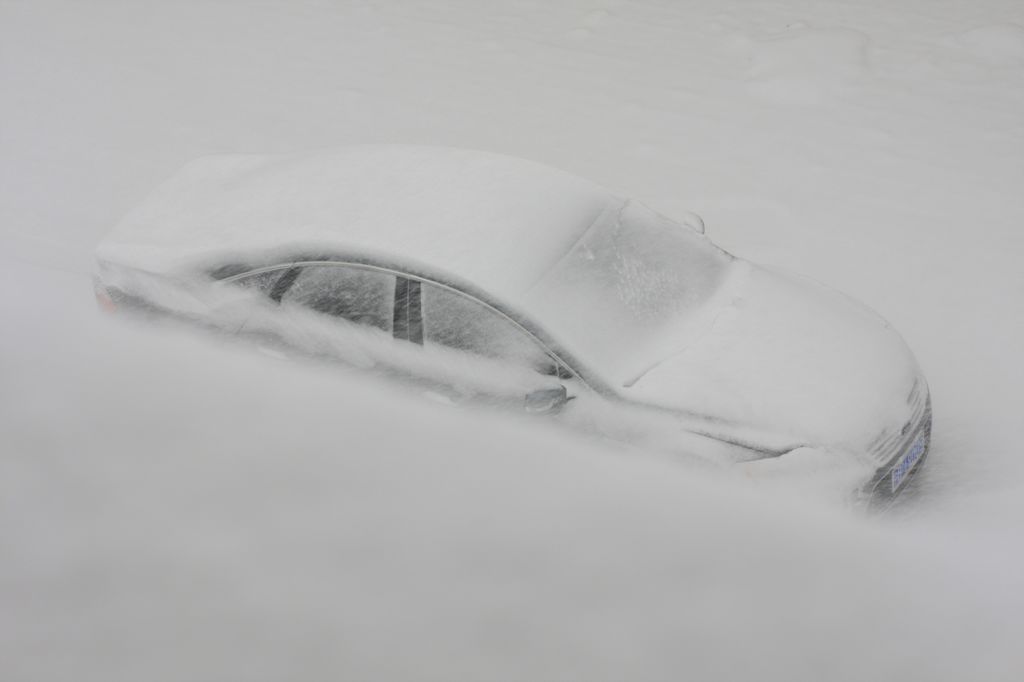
906,464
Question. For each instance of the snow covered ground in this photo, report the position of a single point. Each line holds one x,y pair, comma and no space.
172,507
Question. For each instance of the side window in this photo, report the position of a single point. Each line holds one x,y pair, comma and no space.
358,295
262,282
459,322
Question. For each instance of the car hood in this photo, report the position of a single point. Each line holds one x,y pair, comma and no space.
791,359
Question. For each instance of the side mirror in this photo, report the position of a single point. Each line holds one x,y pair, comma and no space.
546,400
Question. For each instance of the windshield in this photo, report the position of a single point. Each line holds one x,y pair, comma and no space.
631,277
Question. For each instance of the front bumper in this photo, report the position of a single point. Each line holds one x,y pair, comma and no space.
894,477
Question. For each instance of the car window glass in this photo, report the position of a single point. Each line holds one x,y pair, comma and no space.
628,286
358,295
456,321
261,281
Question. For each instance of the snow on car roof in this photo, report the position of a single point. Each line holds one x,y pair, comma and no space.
497,221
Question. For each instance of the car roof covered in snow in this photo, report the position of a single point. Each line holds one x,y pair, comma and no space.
496,221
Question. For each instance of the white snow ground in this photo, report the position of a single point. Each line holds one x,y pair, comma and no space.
175,508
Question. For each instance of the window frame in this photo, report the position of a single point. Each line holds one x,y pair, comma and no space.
231,273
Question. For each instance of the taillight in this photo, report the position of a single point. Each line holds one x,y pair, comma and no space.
103,299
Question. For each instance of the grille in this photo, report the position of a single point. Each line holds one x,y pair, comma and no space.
891,443
893,449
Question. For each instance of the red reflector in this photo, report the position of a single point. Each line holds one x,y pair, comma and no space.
103,299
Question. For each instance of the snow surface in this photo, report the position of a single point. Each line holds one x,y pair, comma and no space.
175,507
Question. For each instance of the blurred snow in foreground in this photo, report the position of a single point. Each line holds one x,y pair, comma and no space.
176,508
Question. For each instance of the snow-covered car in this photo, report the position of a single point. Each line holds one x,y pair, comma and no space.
494,278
